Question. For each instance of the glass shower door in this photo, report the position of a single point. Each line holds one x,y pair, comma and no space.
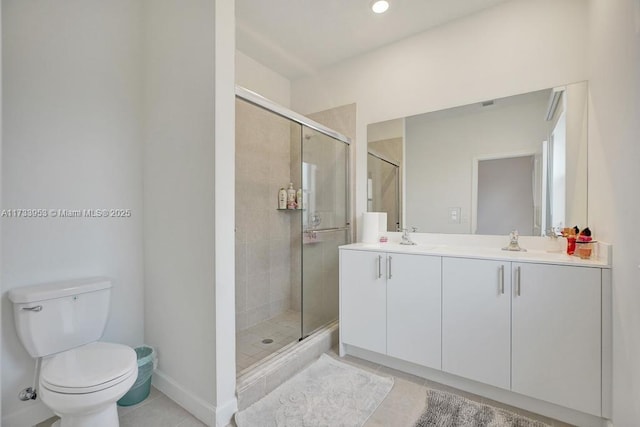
325,225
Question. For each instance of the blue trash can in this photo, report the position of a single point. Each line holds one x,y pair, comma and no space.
141,388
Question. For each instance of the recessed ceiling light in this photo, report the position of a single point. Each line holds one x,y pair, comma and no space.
380,6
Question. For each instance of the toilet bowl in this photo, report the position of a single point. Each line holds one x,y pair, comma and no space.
81,378
82,385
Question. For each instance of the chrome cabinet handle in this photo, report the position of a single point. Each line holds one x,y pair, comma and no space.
389,267
518,281
36,308
379,266
501,279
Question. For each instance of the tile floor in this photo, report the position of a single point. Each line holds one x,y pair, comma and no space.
401,408
282,329
157,410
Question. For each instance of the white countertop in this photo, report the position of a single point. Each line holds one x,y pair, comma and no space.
554,256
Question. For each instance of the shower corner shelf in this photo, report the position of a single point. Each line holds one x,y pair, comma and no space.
291,210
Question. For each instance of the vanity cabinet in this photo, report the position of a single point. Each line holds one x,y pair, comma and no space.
391,304
414,309
476,320
532,328
556,334
363,300
538,329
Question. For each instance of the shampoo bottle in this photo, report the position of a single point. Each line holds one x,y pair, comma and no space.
291,197
282,199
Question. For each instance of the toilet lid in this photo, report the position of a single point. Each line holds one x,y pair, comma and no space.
89,368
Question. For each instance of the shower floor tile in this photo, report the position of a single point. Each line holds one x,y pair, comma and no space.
282,329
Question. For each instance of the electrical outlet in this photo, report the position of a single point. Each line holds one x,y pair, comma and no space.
454,215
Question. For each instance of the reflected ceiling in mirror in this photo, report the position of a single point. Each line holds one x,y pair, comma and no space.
518,162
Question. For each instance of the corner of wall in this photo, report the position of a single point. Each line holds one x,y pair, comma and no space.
224,213
1,204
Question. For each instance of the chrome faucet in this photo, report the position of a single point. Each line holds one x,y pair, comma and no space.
553,233
513,242
406,239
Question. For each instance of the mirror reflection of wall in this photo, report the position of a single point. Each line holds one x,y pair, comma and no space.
505,195
455,171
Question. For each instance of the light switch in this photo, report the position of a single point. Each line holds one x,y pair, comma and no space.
454,215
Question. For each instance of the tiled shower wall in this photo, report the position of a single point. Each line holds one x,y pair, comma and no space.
263,254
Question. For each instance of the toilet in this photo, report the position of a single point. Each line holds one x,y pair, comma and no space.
81,379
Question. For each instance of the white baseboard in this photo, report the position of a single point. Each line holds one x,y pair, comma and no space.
32,414
225,412
209,414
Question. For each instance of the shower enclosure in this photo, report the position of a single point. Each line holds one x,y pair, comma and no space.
286,259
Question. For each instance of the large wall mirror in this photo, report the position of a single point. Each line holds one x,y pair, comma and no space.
518,162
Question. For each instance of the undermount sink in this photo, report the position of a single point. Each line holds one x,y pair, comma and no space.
416,247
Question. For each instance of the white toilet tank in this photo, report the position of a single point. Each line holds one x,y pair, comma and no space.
55,317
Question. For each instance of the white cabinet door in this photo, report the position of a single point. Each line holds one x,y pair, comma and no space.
476,320
363,300
556,335
414,308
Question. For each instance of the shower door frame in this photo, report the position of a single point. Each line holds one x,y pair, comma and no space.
262,102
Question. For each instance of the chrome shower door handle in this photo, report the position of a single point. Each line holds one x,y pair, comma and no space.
34,308
501,279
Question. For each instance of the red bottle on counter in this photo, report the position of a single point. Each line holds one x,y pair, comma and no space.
571,244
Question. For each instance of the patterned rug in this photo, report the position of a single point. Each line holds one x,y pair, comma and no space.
449,410
327,393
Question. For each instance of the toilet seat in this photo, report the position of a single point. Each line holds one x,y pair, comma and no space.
89,368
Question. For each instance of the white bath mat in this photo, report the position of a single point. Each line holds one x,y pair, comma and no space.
327,393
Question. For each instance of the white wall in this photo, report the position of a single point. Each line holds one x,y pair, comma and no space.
389,129
258,78
226,402
516,47
614,156
71,139
182,311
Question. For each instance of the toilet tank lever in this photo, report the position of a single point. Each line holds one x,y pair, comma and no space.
36,308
